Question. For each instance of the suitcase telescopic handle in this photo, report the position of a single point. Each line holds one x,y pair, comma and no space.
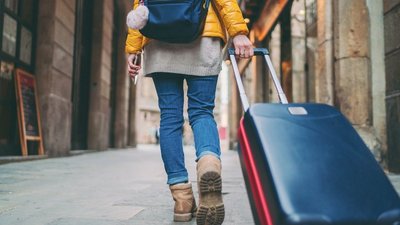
257,51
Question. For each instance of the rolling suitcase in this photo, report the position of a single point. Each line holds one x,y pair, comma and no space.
304,164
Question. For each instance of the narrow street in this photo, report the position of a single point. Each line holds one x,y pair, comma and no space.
66,89
107,188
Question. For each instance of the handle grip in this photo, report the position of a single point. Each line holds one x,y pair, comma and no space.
257,51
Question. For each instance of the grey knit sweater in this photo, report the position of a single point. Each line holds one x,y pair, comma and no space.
202,57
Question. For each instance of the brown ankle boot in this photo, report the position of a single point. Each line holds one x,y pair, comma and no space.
211,209
185,204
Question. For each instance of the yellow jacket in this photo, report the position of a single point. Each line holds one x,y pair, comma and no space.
228,11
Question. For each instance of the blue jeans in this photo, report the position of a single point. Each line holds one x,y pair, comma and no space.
201,96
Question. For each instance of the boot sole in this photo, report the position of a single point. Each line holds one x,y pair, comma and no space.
185,217
211,209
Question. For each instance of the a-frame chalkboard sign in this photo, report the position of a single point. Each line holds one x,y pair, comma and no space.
28,111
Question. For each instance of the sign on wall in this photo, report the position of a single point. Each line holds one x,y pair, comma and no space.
28,111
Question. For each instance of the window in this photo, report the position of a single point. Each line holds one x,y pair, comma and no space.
9,35
17,25
11,5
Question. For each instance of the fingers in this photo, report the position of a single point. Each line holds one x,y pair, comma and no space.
246,50
237,50
133,67
133,75
243,46
251,52
131,59
134,70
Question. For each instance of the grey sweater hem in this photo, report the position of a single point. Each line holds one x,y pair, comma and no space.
186,70
202,57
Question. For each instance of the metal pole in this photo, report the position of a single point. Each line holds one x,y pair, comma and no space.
242,93
275,79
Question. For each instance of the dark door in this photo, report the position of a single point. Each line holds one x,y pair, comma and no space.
114,74
81,82
9,142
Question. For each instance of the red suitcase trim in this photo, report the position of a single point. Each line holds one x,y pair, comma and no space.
254,178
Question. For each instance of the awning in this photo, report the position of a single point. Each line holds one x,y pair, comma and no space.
268,17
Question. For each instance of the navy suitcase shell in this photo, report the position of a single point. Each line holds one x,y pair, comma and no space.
304,164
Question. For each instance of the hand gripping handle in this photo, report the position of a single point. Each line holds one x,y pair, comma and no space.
263,52
257,51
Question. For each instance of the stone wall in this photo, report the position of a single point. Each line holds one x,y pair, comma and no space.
54,66
121,124
275,54
54,72
378,81
324,62
352,61
357,86
392,59
99,111
298,51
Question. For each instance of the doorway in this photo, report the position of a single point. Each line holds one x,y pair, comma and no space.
81,76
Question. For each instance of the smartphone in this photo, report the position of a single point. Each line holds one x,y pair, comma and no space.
136,62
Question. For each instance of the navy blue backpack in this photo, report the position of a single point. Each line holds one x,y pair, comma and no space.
175,21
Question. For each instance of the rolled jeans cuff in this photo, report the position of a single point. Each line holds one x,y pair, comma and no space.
177,180
208,153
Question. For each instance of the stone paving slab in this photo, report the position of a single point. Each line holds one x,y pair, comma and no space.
106,188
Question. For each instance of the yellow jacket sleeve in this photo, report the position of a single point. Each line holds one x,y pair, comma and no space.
232,17
133,41
134,38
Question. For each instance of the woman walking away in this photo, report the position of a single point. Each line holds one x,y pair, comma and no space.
199,63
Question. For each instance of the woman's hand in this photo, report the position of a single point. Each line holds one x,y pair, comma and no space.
133,68
243,46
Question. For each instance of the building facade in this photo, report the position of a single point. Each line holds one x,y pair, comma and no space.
342,53
75,50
